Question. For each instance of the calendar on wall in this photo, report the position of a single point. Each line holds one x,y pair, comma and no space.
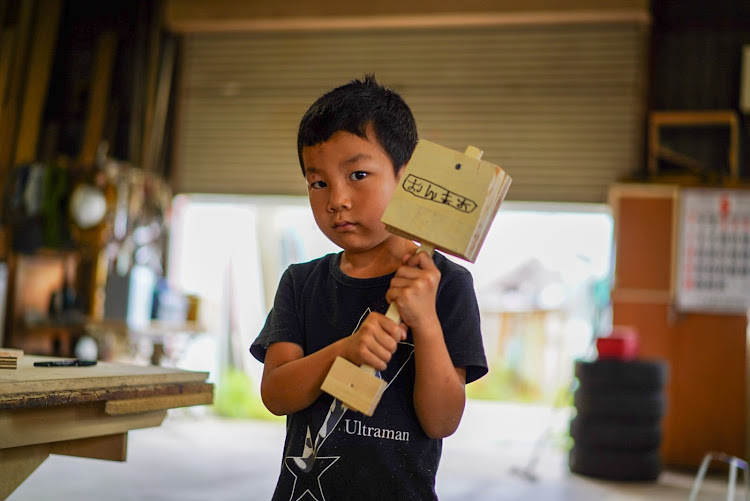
713,262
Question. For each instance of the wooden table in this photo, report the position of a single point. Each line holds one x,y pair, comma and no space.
84,411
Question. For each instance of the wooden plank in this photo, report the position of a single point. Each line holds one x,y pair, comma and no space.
18,464
135,405
108,447
161,107
190,16
681,160
37,79
20,427
65,397
641,190
643,232
4,8
708,389
689,118
96,111
428,20
14,92
138,66
7,38
154,50
103,376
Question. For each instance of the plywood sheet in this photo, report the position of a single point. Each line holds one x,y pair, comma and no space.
104,375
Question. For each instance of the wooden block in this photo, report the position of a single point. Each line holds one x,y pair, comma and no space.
109,447
356,388
447,198
135,405
17,464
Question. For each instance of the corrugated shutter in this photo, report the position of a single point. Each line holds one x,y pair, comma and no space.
559,107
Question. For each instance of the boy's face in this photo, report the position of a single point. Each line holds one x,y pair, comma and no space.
350,181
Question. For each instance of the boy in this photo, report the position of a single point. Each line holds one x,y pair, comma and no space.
353,143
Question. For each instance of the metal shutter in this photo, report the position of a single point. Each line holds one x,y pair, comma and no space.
558,106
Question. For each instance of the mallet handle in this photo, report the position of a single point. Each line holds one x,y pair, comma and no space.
392,312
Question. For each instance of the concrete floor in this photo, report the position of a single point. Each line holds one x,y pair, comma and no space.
198,457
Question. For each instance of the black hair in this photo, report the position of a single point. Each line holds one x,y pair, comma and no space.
353,107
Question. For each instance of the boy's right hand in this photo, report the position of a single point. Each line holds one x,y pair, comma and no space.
375,341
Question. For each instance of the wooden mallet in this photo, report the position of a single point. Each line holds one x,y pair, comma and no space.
446,200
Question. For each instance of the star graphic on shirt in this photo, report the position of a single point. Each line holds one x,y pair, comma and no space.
307,472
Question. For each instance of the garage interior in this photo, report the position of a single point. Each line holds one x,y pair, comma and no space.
622,123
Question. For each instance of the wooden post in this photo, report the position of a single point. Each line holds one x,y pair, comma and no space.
96,113
37,79
154,54
18,463
161,107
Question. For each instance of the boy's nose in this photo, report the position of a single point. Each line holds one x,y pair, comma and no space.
339,199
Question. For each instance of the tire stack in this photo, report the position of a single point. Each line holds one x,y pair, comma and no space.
617,427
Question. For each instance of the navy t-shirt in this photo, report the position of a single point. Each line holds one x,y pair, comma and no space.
335,453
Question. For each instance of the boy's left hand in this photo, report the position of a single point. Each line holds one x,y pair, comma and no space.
414,290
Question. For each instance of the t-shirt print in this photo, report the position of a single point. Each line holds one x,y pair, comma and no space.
308,468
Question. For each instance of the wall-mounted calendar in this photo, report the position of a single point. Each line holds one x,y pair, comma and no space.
713,262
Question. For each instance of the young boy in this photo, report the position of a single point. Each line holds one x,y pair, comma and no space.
353,143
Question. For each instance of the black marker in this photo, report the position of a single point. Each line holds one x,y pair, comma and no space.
65,363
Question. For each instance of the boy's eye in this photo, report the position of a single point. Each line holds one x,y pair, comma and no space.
358,176
316,185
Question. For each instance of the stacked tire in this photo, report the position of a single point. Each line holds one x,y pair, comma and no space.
616,430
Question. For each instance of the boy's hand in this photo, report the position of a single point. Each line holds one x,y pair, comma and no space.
414,290
375,341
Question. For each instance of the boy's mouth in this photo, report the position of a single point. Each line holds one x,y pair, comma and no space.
343,226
